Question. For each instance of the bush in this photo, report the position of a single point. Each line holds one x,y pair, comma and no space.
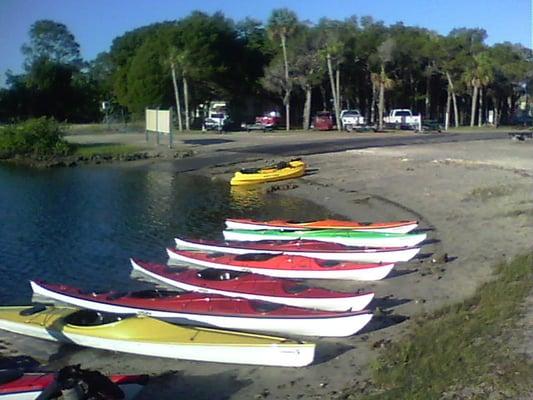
37,137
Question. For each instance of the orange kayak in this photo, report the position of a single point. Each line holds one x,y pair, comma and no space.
388,227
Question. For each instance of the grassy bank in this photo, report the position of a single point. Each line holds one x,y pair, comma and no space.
463,351
112,149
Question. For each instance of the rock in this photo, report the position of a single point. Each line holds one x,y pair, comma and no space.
441,259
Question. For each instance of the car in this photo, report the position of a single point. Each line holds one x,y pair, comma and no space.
351,119
323,121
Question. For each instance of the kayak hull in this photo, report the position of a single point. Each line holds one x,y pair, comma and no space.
30,385
360,272
150,337
295,169
347,238
257,287
305,249
301,322
387,227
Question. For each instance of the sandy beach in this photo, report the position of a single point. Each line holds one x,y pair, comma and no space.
474,200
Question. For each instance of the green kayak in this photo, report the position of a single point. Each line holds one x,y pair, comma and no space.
347,238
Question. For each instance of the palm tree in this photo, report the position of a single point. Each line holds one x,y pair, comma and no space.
477,77
172,61
281,24
384,53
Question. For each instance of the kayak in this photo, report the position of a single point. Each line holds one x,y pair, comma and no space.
306,248
254,286
283,266
17,385
390,227
213,310
152,337
347,238
281,171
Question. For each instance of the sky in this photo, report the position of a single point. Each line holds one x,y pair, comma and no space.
95,23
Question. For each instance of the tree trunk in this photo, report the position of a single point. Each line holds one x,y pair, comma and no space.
381,106
186,100
427,101
307,107
338,105
176,95
373,104
474,104
448,108
454,100
480,113
332,83
287,90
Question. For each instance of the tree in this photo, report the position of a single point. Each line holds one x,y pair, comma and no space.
478,77
384,54
281,24
275,81
305,53
52,41
333,54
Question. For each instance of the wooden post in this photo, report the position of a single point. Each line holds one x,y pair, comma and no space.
145,122
170,128
157,125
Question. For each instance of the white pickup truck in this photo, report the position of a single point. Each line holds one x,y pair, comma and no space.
351,119
403,119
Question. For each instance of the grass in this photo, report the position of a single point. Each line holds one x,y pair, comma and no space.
88,150
463,351
485,193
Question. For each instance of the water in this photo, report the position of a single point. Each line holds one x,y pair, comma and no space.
80,226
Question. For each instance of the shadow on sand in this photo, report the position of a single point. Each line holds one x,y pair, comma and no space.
177,385
326,351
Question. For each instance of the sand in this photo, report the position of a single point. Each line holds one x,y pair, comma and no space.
475,201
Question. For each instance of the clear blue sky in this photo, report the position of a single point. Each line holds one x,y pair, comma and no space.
95,23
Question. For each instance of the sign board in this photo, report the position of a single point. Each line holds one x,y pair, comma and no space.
159,121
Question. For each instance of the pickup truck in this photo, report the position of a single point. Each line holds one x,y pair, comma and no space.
351,119
403,119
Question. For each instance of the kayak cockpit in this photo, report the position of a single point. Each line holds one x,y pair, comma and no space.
91,318
213,274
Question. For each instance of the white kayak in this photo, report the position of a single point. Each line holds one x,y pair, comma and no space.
214,311
254,286
347,238
305,248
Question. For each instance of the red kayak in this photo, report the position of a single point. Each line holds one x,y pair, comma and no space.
306,248
254,286
284,266
213,310
280,224
25,386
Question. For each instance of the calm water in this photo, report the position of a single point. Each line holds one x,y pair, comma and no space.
79,226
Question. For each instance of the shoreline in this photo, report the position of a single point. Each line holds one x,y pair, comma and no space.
465,194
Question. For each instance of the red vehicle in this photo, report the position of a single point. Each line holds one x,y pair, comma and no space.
323,121
269,120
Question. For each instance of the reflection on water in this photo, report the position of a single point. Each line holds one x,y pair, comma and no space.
244,197
80,226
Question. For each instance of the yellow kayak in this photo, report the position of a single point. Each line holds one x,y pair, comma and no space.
292,169
152,337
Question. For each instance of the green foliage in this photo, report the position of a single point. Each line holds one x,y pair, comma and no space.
463,346
39,137
52,41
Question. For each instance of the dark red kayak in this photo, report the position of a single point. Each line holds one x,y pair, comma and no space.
307,248
212,310
284,266
254,286
21,386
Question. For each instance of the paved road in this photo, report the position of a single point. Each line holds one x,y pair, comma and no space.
334,145
232,150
